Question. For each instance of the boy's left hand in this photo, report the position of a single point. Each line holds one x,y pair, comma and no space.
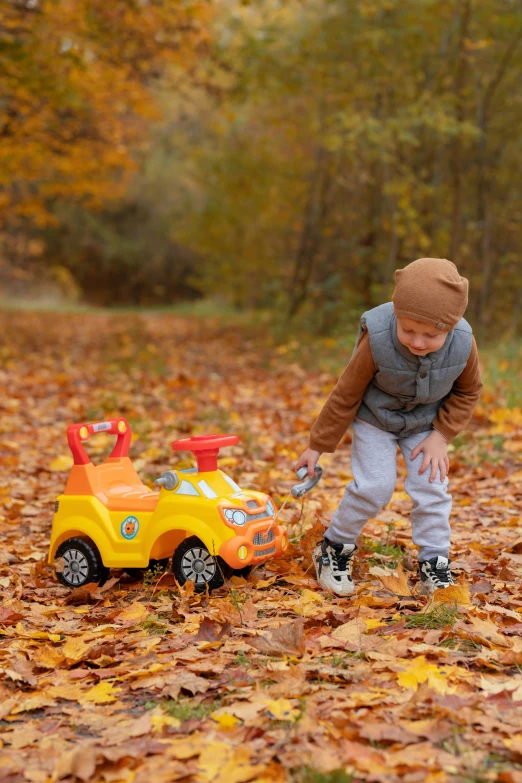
435,452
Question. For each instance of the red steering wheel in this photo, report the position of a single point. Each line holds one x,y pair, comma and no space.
76,433
205,448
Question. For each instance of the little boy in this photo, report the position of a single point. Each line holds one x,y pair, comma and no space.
413,380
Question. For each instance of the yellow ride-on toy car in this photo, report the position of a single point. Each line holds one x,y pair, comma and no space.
200,518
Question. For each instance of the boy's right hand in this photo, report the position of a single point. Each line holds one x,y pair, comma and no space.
308,458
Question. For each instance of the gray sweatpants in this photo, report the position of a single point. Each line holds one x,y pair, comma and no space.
374,469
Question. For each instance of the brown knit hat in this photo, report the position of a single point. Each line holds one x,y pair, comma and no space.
430,290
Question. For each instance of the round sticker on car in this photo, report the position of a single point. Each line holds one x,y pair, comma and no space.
130,527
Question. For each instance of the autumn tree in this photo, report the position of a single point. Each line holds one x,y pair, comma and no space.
75,95
355,138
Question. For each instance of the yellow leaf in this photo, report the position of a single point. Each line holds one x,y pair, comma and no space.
373,623
512,416
221,763
225,720
159,720
282,709
400,495
418,671
47,657
186,748
103,693
75,649
213,758
135,613
62,463
306,605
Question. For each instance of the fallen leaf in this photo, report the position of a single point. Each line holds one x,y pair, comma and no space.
282,709
481,631
351,631
61,464
103,693
225,720
8,616
135,613
418,671
288,639
80,762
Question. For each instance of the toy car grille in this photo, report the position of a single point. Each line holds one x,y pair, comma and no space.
262,552
260,539
261,515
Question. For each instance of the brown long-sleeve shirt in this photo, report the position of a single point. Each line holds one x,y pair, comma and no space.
341,406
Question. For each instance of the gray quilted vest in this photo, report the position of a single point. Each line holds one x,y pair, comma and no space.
407,390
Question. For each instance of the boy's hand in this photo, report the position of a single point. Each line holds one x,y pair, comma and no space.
435,452
309,458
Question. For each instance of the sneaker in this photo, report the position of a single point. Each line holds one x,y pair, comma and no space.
435,574
333,564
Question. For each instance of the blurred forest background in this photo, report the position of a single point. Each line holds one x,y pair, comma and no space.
276,155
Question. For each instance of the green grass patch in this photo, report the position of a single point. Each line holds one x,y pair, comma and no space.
242,659
393,554
154,626
464,646
440,616
501,373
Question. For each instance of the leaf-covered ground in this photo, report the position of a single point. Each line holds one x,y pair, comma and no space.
268,679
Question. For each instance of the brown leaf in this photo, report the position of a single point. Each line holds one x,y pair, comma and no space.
6,707
482,631
457,593
395,581
288,639
79,762
8,616
379,732
187,681
351,632
210,631
20,667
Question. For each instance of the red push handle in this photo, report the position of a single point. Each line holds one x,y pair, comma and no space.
76,433
205,448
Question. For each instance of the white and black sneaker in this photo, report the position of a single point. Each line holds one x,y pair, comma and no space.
333,564
435,574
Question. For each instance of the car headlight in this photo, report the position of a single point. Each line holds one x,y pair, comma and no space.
239,517
236,516
270,510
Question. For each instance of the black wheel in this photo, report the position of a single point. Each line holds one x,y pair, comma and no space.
154,565
82,563
193,561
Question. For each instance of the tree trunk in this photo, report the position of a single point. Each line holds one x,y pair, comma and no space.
457,151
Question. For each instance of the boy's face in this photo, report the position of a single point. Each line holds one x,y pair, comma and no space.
419,338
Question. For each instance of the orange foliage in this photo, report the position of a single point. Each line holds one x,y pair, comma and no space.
76,90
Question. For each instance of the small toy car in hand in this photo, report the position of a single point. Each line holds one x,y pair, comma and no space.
199,520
